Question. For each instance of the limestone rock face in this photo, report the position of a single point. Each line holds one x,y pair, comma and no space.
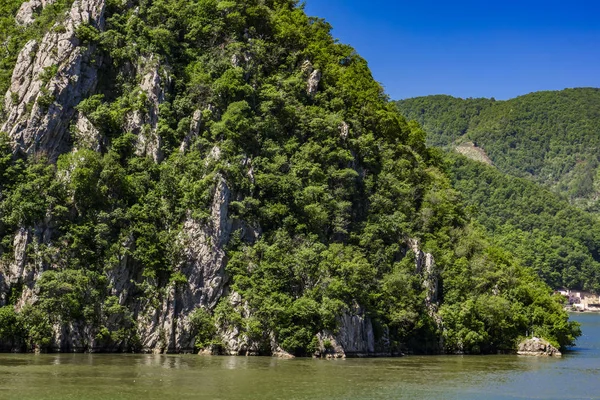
29,9
144,123
161,321
87,135
195,126
313,82
50,78
307,67
356,334
234,341
537,347
344,130
425,265
354,338
168,328
23,272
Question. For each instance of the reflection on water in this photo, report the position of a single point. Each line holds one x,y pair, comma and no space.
125,376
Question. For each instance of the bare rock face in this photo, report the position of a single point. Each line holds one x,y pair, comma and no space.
144,123
354,338
205,257
13,272
17,268
167,327
355,334
50,78
28,11
235,60
195,126
425,265
86,134
313,82
234,341
344,130
307,67
23,271
537,347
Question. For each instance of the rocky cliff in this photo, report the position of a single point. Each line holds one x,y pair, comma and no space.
219,176
52,75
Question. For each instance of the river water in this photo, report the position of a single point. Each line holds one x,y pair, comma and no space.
84,376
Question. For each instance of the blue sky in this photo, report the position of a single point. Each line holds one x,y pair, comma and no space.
498,48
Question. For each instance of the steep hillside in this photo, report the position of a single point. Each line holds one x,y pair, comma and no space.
178,175
549,137
559,241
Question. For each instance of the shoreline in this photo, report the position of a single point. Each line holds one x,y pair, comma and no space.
571,311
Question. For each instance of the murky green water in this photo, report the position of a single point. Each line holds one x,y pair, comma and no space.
79,376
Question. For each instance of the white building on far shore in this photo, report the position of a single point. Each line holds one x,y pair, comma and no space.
580,300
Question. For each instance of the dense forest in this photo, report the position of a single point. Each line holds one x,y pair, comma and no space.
558,240
549,137
542,171
224,175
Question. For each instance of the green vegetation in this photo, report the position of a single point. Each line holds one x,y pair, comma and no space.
13,36
559,241
549,137
335,210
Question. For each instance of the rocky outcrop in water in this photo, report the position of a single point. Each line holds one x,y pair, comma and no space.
354,338
537,347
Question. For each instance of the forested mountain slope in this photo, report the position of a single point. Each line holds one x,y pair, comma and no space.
223,175
552,137
558,240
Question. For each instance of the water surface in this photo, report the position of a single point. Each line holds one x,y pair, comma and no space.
124,376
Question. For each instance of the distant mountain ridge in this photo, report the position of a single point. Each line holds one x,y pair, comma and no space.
529,157
550,137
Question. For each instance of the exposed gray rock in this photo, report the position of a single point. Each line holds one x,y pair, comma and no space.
313,82
344,130
168,328
413,244
235,60
24,270
15,271
86,135
426,267
73,338
276,350
20,242
307,67
537,347
204,251
234,341
431,280
30,9
214,155
355,334
144,123
195,126
39,108
353,338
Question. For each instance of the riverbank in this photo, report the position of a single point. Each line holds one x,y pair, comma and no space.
158,377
